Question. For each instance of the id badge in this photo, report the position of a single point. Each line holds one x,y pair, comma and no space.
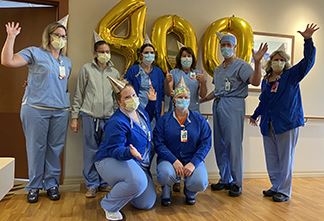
227,85
184,136
274,87
192,75
62,72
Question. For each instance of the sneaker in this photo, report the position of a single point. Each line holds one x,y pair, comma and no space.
166,196
53,193
269,193
280,197
220,186
91,193
176,187
113,215
104,188
235,190
32,196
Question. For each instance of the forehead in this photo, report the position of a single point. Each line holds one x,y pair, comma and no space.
185,53
59,31
278,57
127,91
226,44
103,47
148,48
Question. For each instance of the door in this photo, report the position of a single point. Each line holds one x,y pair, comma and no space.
33,21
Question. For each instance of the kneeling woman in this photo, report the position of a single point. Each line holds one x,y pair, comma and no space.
123,157
182,140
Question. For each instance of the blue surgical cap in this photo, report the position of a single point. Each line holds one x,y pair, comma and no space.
229,38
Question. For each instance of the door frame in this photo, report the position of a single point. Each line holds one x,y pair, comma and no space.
62,6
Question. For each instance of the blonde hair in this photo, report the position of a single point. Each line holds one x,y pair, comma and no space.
282,54
46,38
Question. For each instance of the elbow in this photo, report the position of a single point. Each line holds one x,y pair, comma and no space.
255,82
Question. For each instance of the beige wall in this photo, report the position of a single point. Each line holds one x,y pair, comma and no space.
276,16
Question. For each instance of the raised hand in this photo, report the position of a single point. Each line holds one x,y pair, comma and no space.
201,78
169,77
257,56
135,153
151,94
12,29
310,29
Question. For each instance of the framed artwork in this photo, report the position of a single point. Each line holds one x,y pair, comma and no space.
274,42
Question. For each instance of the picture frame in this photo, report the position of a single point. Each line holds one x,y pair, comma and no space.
274,41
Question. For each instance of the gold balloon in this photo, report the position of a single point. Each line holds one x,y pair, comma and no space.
165,25
234,25
135,11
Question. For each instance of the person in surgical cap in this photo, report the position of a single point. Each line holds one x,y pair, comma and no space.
231,80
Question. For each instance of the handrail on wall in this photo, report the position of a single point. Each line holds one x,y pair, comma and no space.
307,117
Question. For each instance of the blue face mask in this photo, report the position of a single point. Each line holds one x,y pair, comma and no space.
227,52
182,104
148,58
186,62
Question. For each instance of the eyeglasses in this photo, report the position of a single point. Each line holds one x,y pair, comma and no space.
59,35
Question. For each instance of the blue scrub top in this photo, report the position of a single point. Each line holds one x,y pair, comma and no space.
134,77
237,74
120,131
167,140
191,83
44,87
283,108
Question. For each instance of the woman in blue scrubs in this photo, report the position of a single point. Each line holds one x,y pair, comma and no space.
44,110
182,140
148,82
282,114
123,158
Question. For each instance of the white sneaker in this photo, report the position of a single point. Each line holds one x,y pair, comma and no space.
113,215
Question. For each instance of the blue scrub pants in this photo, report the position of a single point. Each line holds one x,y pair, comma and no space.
92,135
197,182
279,154
45,133
228,120
130,183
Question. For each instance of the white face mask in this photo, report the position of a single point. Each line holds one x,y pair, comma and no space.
103,58
132,104
148,58
186,62
58,43
278,66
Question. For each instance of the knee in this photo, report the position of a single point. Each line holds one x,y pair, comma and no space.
165,173
147,204
137,185
197,185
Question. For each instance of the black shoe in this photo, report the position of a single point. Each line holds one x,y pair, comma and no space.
53,193
279,197
166,202
176,187
268,193
32,196
235,190
190,201
220,186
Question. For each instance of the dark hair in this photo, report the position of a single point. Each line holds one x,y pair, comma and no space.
189,51
141,49
99,43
